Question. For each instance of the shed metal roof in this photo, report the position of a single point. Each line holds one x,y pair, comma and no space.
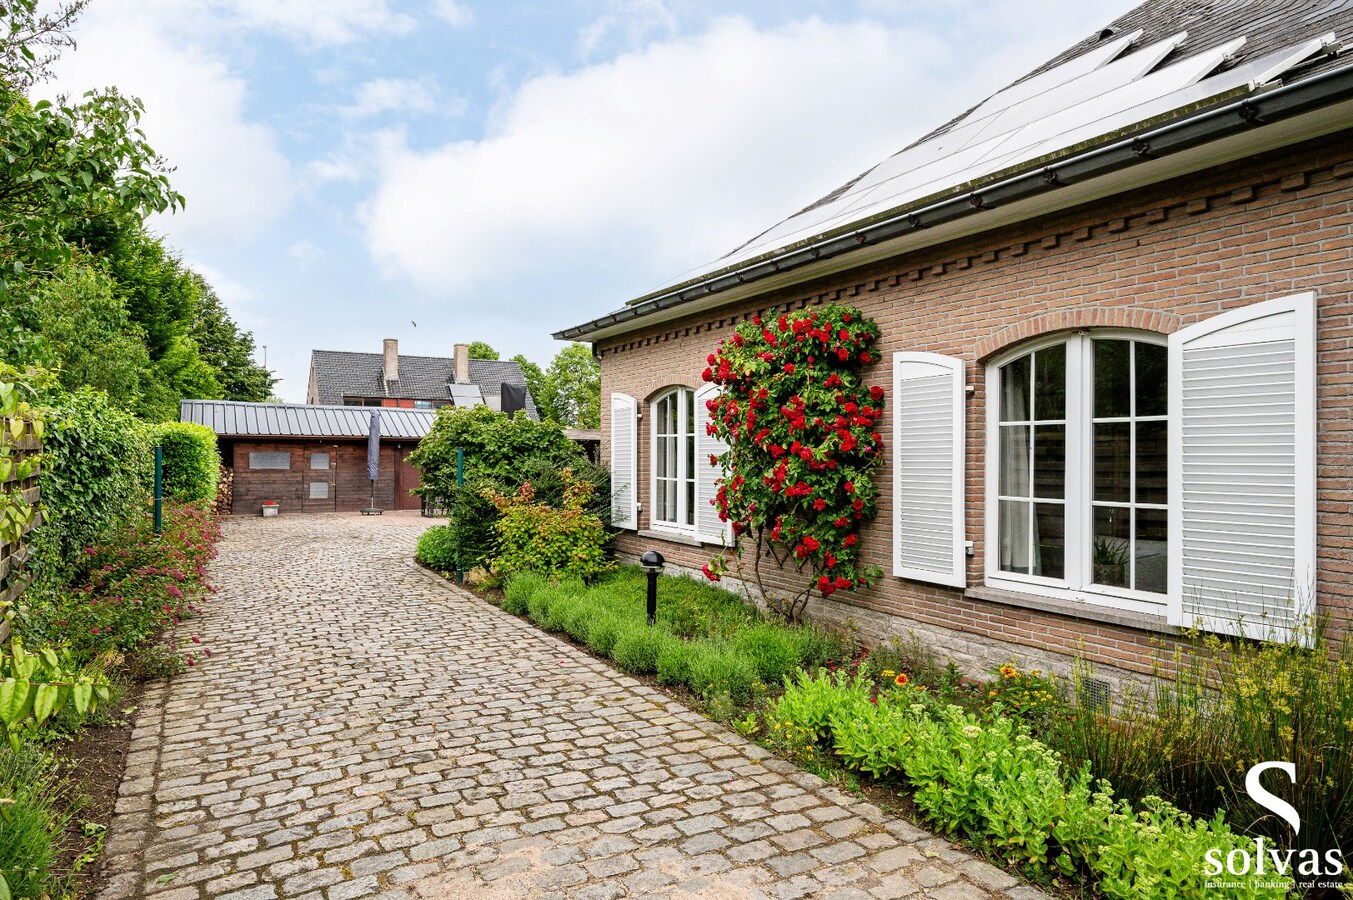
229,418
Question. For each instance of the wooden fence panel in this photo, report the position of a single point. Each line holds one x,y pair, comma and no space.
13,578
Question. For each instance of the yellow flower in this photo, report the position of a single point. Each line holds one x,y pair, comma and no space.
887,673
1008,671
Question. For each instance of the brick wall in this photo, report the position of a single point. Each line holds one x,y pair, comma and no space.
349,488
1156,259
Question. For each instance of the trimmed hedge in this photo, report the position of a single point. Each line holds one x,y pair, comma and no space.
705,638
192,462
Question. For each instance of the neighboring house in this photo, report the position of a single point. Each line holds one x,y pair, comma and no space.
1145,249
340,378
312,458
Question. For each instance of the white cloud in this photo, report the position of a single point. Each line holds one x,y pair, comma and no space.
407,95
457,15
319,22
305,252
673,154
628,22
229,167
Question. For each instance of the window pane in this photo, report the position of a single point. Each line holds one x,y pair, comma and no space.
1113,455
1049,460
319,460
1152,538
1152,387
660,456
672,412
1112,379
1015,390
319,490
690,502
690,412
1152,462
1050,383
263,459
1014,537
1049,540
1112,546
1014,460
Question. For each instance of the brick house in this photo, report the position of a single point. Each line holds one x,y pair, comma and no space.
1115,304
342,378
312,458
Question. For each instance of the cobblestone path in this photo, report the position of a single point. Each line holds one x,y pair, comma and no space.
364,730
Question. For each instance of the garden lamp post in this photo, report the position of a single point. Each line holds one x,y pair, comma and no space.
652,564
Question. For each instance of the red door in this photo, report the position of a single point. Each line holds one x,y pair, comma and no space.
406,479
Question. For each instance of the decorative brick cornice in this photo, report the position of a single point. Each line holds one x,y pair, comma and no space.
1075,320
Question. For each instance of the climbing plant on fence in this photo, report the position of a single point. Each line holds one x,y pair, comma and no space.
21,432
800,424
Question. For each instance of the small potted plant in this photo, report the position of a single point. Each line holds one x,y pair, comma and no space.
271,508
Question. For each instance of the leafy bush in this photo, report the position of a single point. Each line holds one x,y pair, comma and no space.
772,652
94,482
638,646
437,549
674,662
603,632
134,586
520,587
36,686
192,462
554,541
983,775
1230,704
717,669
32,825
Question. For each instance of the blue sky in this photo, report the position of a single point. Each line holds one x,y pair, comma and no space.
497,171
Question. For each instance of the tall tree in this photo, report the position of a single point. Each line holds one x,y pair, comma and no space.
574,377
228,350
481,350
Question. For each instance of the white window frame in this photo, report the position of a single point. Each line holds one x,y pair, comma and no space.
1077,581
685,474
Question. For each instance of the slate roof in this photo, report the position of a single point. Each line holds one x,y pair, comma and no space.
339,374
1156,65
229,418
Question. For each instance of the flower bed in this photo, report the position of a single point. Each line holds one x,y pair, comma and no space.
705,639
984,777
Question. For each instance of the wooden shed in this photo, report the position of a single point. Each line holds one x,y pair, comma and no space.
312,458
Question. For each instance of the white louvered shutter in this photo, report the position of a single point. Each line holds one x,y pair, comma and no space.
708,526
624,461
1242,470
928,425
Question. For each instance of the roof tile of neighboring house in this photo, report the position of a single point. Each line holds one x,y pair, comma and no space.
340,374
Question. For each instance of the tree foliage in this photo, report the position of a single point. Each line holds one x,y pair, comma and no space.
569,389
85,288
481,350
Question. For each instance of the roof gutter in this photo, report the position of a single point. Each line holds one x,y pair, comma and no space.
1195,129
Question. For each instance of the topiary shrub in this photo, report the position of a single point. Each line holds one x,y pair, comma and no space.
437,549
192,462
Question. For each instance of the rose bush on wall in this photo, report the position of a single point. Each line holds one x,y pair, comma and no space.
801,427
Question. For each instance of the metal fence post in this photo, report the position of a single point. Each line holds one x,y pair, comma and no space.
460,484
159,491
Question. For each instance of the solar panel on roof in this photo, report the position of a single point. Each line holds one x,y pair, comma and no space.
1038,119
465,394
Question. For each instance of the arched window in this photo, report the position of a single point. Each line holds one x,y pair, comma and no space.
1079,436
673,418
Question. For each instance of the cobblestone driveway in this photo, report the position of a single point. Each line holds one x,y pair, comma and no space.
364,730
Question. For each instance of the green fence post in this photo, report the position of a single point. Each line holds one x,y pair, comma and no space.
460,483
159,491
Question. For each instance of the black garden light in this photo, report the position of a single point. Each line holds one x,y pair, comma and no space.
652,564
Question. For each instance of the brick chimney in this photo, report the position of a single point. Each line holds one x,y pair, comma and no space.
462,355
391,359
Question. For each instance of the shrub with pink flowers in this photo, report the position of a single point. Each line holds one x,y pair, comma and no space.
802,429
132,595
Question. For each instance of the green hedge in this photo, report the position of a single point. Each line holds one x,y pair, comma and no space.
96,477
192,462
706,639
